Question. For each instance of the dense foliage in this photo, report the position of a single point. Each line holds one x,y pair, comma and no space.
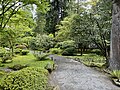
66,27
42,42
28,78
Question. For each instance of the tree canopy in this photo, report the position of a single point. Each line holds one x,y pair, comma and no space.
46,23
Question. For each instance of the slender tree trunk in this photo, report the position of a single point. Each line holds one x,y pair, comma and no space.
11,46
81,51
115,37
12,50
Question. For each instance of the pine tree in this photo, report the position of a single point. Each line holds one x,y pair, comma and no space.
55,15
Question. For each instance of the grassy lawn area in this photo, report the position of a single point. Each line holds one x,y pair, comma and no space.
29,60
33,77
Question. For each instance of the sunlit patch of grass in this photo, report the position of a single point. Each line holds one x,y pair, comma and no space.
29,60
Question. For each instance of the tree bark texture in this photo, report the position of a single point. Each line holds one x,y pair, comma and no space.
115,37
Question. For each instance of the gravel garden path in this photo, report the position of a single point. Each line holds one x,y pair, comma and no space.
73,75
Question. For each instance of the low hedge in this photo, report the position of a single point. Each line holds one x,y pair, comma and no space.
29,78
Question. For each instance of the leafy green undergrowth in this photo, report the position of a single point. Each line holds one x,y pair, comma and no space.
28,74
91,60
55,51
43,56
30,78
2,73
115,76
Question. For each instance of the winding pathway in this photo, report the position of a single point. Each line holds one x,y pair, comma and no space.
72,75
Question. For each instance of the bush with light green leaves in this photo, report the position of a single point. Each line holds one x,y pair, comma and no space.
55,51
26,79
43,56
42,42
65,44
3,51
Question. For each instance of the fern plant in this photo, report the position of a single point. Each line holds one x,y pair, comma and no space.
115,74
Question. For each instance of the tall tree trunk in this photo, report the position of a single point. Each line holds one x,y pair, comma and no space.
115,37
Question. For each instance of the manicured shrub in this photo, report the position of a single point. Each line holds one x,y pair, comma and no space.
2,51
24,52
69,51
55,50
96,51
17,51
26,79
66,44
43,42
6,56
42,56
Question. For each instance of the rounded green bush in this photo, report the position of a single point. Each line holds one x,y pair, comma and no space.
26,79
69,51
42,56
65,44
17,51
96,51
2,51
55,50
6,56
24,52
